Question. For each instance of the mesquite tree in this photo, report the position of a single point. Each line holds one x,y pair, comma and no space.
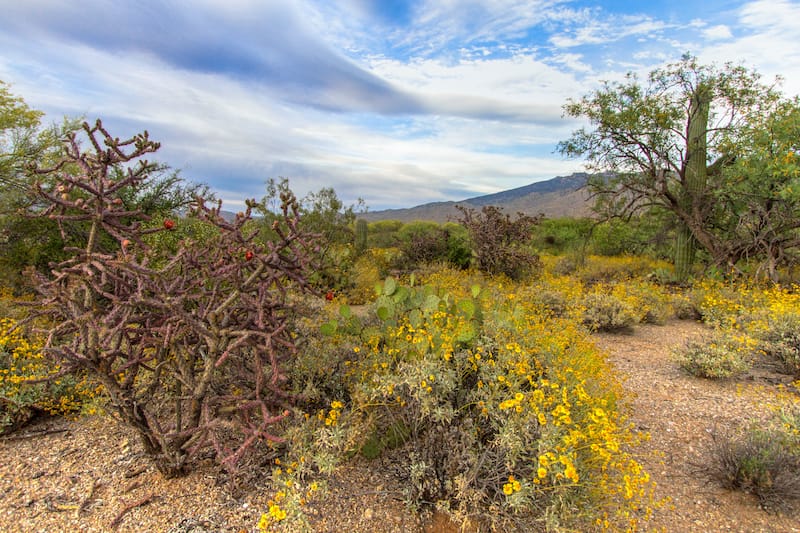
188,346
670,144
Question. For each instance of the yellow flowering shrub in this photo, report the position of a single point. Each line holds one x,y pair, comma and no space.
722,355
506,408
294,491
29,383
650,302
597,268
765,319
606,310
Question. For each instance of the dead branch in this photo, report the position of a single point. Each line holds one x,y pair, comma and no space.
129,507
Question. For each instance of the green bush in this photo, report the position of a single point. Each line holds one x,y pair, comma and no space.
383,234
781,340
562,235
494,409
723,355
459,251
643,235
606,312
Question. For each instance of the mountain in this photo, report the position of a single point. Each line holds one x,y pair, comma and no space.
562,196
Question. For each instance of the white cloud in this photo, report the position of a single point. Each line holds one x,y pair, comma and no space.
766,39
462,98
597,30
718,32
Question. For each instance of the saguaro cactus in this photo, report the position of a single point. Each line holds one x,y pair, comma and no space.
696,177
361,236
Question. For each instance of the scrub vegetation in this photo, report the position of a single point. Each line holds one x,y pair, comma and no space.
295,335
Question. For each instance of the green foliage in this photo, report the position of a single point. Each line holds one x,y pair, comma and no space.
23,143
20,141
324,215
32,241
500,412
675,142
459,251
384,233
163,193
640,235
759,198
562,235
720,356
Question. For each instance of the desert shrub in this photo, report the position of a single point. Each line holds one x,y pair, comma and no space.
764,462
780,339
367,271
552,302
554,296
383,233
722,355
500,413
189,350
500,243
600,269
423,242
561,235
604,311
323,214
459,251
31,384
643,235
684,307
650,302
566,265
720,304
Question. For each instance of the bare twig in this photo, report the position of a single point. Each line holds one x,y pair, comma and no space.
129,507
96,484
34,434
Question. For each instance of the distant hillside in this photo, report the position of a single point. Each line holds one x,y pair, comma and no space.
557,197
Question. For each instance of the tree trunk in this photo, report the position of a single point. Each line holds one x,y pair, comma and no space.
695,179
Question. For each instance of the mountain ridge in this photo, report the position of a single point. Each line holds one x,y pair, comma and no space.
562,196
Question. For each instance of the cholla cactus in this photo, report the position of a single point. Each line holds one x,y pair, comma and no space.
189,347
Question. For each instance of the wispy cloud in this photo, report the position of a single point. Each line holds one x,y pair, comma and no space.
398,102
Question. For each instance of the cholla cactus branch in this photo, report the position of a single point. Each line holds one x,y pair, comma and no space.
189,348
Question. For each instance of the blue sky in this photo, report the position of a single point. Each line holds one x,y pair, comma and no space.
397,102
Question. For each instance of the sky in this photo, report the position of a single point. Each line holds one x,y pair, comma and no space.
396,102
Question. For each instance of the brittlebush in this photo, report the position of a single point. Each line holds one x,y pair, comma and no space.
502,411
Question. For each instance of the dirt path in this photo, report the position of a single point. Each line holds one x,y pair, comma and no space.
81,475
681,413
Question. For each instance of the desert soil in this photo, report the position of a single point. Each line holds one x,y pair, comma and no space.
87,475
